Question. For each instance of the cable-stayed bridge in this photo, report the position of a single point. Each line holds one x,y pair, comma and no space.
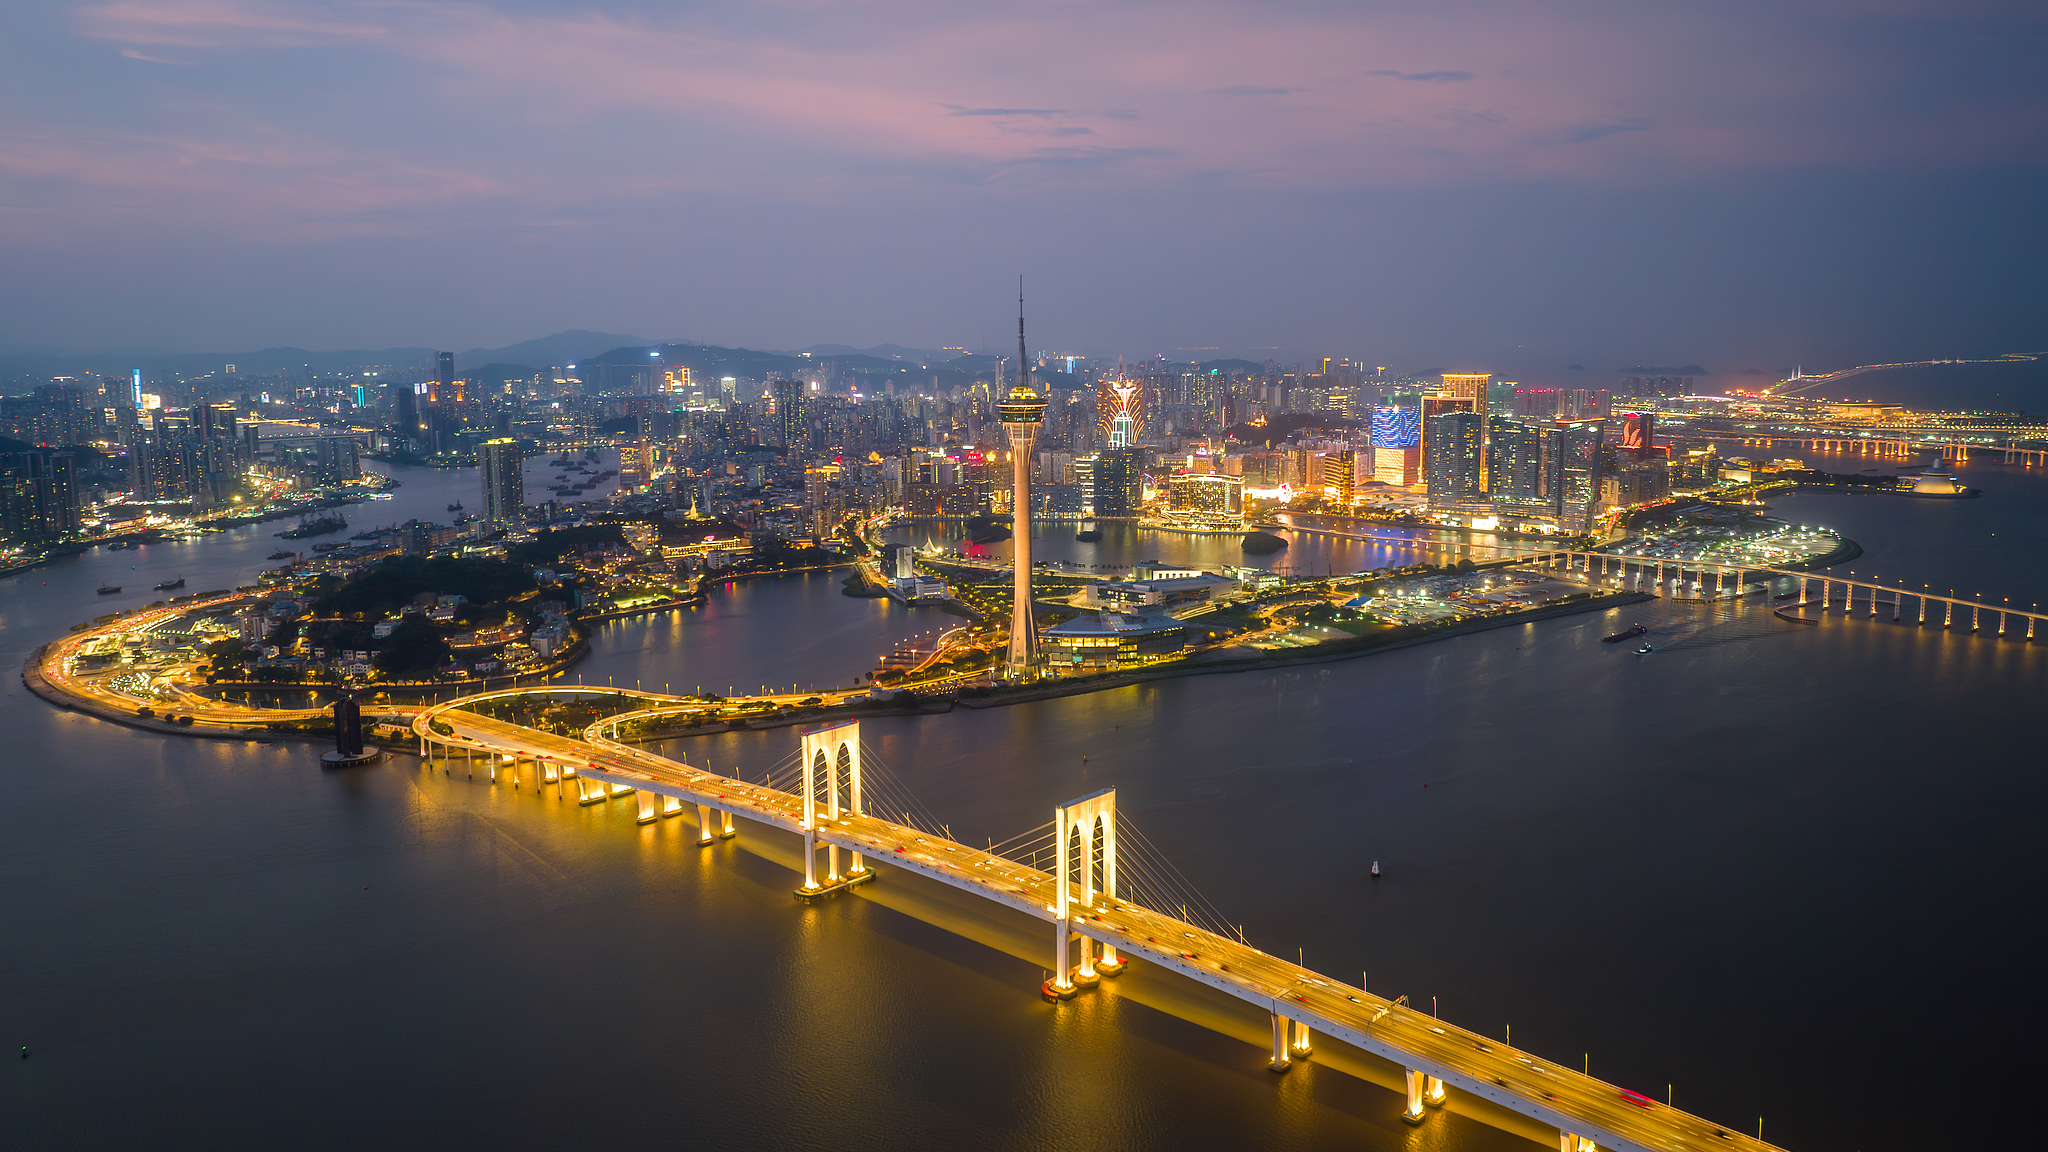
1107,896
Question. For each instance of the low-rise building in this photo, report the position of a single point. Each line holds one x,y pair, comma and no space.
1109,640
1159,594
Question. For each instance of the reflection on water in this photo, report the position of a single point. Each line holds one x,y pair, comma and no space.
1738,866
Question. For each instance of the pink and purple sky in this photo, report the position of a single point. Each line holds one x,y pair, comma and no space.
1460,183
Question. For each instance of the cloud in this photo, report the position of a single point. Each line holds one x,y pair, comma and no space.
223,24
1089,156
1041,113
1425,77
1073,131
1587,132
1249,90
132,54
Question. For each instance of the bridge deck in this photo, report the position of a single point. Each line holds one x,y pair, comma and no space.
1415,1040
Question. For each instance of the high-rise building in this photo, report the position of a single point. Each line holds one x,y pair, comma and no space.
504,482
1021,412
1579,449
1120,406
1434,406
1638,430
1205,496
788,399
444,378
1397,444
1397,426
1455,458
1468,386
1523,467
1120,484
38,497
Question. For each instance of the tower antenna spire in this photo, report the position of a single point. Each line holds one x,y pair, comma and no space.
1023,370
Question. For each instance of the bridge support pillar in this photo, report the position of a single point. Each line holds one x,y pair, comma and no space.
810,859
704,834
1414,1113
1111,964
1973,617
1948,612
2030,627
1280,1061
671,806
1300,1044
725,829
1059,987
1086,976
649,812
1432,1091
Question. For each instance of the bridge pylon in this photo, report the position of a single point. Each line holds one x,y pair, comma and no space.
831,770
1085,847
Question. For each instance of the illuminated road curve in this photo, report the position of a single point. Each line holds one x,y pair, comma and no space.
1584,1110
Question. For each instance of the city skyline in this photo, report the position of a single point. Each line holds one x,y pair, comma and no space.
1515,534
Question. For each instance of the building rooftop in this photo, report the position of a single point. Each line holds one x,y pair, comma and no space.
1114,623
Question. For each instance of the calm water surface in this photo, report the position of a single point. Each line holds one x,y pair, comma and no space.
1789,871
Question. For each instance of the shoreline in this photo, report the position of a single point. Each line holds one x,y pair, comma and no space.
1318,654
260,728
1341,650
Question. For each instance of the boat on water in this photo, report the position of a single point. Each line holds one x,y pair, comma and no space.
285,554
167,585
1629,633
109,589
455,507
1645,650
117,545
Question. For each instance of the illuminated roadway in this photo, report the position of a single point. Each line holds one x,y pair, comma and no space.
1485,1068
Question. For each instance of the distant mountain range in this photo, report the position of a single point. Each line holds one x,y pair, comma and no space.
561,348
589,351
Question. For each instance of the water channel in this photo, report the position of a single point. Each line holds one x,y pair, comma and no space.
1789,871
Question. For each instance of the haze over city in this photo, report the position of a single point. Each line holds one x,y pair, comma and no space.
1113,576
1473,186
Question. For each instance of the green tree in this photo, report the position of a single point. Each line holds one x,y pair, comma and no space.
415,647
227,654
